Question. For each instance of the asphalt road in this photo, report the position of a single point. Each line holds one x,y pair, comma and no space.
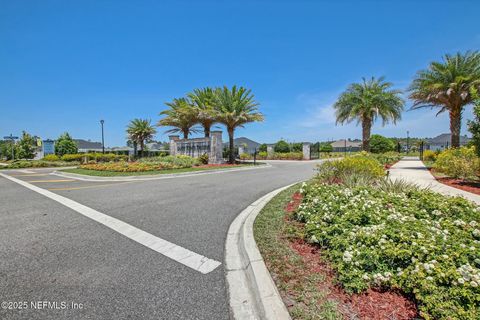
49,252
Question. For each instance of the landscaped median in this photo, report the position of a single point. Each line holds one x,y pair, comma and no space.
150,166
352,244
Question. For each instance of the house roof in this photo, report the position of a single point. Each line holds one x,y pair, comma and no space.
341,144
245,141
88,145
445,138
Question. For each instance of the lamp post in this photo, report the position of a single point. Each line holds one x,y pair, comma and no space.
408,142
103,141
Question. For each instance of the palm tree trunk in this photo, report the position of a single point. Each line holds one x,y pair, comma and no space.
141,149
455,125
232,146
366,130
206,130
185,134
135,149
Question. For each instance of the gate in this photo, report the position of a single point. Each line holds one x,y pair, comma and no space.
315,151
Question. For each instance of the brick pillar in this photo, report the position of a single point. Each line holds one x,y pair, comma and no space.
216,148
173,144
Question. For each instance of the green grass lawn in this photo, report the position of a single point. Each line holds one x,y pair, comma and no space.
143,173
273,235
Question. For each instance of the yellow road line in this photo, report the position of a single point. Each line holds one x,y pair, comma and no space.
53,181
88,187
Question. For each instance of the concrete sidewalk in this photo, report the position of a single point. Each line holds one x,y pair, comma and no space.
414,171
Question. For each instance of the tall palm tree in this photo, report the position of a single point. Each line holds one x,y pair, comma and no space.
202,99
447,85
235,107
181,115
139,131
367,101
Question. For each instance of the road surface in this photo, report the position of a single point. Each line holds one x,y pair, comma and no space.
56,262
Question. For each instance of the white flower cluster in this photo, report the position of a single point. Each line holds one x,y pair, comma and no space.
469,275
379,278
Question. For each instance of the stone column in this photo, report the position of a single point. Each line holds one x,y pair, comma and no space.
216,148
306,150
173,144
269,151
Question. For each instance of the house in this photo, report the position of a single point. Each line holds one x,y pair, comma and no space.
85,146
340,145
443,141
248,145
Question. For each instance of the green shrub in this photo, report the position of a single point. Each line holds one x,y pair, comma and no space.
429,155
245,156
336,171
387,158
51,157
37,164
381,144
416,241
458,163
262,155
263,147
203,159
74,157
286,156
281,147
179,160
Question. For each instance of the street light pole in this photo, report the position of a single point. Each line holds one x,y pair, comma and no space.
103,141
408,141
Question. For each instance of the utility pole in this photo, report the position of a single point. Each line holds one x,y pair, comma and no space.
103,142
408,141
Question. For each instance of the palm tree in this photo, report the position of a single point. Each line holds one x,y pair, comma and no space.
367,101
447,85
202,99
235,107
139,131
182,116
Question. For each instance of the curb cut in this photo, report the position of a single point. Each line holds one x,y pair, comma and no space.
83,177
252,292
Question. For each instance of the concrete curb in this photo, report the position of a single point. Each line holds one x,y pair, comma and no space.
252,292
83,177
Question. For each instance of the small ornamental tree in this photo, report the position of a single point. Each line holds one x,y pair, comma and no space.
381,144
26,146
281,147
296,147
65,145
262,147
474,125
326,147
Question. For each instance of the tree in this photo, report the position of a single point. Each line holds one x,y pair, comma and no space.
281,147
235,107
474,125
296,147
181,115
381,144
65,145
202,99
139,131
27,146
326,147
263,147
447,85
367,101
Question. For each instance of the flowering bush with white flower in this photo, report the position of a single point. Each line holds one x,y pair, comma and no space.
420,242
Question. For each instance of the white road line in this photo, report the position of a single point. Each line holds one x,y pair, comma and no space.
26,171
184,256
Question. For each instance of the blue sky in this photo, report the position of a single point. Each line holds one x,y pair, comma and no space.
64,65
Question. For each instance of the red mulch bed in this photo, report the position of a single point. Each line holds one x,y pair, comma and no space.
373,304
469,186
473,187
